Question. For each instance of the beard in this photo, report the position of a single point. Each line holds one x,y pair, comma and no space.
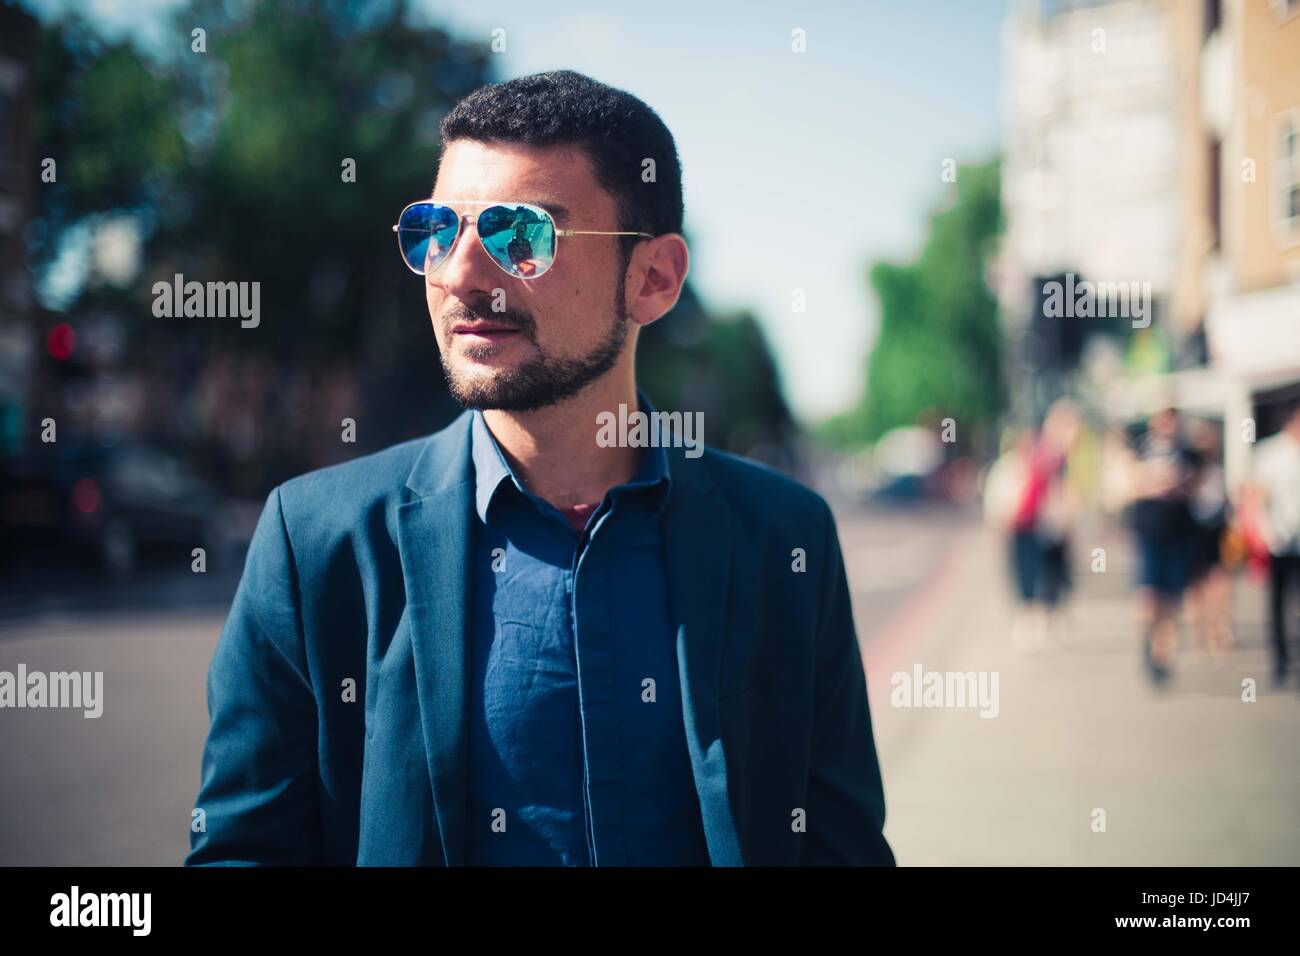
541,380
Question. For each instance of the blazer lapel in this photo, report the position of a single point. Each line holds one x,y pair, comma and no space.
434,541
698,542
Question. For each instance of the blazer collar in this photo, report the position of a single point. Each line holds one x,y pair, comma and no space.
444,462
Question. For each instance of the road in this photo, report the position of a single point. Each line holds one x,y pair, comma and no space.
1192,775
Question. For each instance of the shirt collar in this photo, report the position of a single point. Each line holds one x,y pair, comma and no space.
491,467
652,472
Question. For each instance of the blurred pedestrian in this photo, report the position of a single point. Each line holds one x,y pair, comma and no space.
1165,468
1277,483
1003,487
1028,497
1004,478
1209,586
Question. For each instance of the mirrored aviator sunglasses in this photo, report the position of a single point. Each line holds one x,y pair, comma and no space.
520,238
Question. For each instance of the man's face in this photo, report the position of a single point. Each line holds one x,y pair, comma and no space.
554,334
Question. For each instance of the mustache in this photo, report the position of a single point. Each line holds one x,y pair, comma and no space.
471,311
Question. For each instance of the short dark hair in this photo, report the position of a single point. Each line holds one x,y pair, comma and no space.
616,131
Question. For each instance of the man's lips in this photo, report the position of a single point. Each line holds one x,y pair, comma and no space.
485,330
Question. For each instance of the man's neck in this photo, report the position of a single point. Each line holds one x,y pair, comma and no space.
554,449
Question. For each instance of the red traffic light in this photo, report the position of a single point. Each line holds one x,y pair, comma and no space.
60,342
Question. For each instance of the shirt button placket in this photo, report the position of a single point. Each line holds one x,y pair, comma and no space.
587,823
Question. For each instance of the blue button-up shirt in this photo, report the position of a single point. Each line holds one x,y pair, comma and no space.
577,747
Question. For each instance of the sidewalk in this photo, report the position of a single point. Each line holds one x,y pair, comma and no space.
1186,775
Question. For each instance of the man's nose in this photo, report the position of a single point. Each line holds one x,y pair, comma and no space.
467,270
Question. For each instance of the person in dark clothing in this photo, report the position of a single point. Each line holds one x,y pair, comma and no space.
1162,522
1209,587
520,249
1276,484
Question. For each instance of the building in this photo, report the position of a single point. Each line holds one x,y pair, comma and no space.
1160,140
1090,139
1239,259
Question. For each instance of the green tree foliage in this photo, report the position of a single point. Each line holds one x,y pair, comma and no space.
723,368
937,354
233,158
231,161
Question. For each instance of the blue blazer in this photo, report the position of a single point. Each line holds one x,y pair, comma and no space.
337,689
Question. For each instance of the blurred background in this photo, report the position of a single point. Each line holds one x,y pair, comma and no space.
940,172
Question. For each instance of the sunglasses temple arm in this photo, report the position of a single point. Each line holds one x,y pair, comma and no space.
591,232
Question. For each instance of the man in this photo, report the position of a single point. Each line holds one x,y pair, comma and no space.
520,249
1162,521
1277,485
564,651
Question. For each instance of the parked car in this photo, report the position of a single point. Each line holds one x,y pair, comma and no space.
906,465
110,501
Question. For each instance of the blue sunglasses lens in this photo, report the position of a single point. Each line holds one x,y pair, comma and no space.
520,238
425,233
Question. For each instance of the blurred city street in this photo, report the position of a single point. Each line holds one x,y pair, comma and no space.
1036,346
1187,775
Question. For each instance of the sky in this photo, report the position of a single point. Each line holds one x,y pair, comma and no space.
800,169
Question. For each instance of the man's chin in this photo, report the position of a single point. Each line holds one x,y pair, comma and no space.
526,382
476,390
489,389
490,353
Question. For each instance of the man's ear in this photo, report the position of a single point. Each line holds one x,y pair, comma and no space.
656,275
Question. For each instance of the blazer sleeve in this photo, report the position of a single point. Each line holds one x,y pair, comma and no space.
846,803
259,789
